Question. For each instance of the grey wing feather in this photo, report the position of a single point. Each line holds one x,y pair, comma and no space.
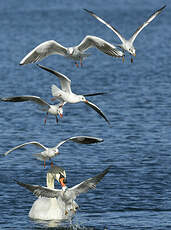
102,45
107,24
88,184
145,24
35,99
22,145
65,81
40,191
81,140
43,50
85,139
96,108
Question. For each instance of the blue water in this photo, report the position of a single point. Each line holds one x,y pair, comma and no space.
136,194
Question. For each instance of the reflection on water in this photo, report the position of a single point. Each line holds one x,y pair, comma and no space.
61,225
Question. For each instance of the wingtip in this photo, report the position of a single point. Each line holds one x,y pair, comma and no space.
162,8
90,12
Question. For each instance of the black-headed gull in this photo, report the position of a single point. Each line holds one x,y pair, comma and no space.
65,95
64,199
49,153
127,44
77,53
52,109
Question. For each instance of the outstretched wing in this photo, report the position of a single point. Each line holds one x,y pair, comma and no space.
102,45
40,191
81,140
22,145
65,81
145,24
93,106
43,50
91,183
107,24
34,99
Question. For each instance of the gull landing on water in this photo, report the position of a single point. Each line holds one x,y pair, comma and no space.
52,109
127,44
77,53
60,202
65,95
49,153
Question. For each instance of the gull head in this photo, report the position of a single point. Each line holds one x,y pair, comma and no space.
132,51
82,98
70,51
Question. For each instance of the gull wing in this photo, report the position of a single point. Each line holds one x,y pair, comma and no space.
40,191
107,24
43,50
93,94
35,99
93,106
22,145
90,183
145,24
65,81
102,45
81,140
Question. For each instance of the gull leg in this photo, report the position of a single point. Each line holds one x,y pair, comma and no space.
81,64
123,59
76,64
131,60
46,118
51,164
56,119
44,164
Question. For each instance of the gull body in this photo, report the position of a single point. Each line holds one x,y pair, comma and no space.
65,94
77,53
59,204
49,153
52,109
127,45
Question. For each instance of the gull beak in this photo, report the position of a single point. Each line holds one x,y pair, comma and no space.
61,115
134,54
86,101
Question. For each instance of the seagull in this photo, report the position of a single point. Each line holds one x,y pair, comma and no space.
52,109
59,203
127,44
65,95
49,153
77,53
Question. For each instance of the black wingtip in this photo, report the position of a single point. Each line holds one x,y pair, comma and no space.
161,9
90,12
94,94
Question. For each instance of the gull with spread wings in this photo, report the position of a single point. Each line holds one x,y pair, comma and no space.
45,106
64,205
49,153
127,44
65,95
77,53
